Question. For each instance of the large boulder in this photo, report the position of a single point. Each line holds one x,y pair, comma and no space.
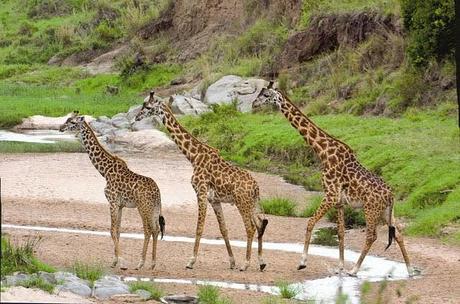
72,283
120,121
187,105
234,88
39,122
108,286
144,140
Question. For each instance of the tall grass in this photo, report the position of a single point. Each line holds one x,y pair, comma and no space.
37,282
278,206
155,292
90,272
208,294
25,147
286,290
20,257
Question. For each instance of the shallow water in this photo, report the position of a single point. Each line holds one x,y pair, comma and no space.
323,290
36,136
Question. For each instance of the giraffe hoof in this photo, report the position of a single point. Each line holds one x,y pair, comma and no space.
123,267
352,274
262,266
189,267
300,267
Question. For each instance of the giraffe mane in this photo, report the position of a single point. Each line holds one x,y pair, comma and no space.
116,158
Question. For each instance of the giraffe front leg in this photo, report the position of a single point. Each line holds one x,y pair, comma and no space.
202,201
326,204
115,214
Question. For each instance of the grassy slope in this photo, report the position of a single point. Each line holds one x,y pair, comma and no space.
416,154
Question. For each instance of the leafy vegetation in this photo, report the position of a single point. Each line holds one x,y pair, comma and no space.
21,257
286,290
208,294
90,272
278,206
325,237
431,24
155,292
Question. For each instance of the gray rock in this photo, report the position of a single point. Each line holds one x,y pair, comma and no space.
233,88
176,299
48,277
109,286
102,128
104,119
147,123
70,282
120,120
15,279
132,112
144,140
144,294
195,92
188,105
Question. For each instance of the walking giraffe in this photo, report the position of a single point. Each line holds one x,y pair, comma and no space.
124,189
215,181
344,180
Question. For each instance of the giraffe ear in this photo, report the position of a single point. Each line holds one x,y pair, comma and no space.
270,85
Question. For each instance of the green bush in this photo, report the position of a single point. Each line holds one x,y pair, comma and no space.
431,24
39,283
353,217
208,294
326,237
286,290
278,206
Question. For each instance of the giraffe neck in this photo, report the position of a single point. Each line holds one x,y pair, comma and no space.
101,158
186,142
318,139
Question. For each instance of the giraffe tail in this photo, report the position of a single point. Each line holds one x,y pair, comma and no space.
162,225
391,228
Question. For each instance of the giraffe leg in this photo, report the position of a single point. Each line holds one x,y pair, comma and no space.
250,230
371,236
217,207
341,234
326,204
260,233
202,201
115,214
154,247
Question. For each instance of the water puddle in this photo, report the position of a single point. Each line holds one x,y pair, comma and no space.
36,136
323,290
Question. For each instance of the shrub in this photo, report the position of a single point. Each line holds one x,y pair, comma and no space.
155,292
208,294
278,206
88,272
312,206
326,236
431,24
286,290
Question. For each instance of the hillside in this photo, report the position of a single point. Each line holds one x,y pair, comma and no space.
354,66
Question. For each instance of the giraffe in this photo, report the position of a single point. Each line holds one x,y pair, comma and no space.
215,181
124,189
344,179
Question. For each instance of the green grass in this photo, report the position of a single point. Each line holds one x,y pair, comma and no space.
155,292
278,206
25,147
90,272
21,257
208,294
39,283
326,237
415,154
286,290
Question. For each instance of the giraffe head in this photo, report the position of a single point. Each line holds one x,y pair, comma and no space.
72,123
268,96
151,107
